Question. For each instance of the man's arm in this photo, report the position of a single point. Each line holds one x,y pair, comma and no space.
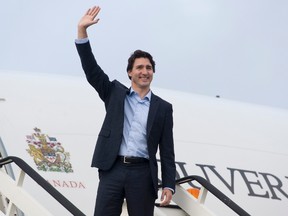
94,74
87,20
168,159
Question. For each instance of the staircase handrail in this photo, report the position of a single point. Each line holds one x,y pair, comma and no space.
43,183
216,192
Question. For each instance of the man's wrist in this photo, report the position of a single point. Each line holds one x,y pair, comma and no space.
169,189
82,32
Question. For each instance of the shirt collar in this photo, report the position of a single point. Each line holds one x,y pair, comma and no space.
147,96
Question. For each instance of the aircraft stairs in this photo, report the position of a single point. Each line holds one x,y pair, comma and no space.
15,201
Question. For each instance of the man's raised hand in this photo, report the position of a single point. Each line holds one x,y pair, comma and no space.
89,18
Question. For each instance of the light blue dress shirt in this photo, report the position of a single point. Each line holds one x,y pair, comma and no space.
134,142
81,41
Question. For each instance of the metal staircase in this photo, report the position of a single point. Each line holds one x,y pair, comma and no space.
17,198
196,206
14,200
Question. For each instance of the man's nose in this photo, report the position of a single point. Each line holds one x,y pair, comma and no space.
145,71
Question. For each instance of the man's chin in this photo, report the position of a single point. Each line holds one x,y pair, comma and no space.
145,85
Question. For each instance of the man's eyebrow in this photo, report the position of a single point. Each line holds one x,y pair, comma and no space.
139,66
142,65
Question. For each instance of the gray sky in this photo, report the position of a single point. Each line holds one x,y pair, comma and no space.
235,49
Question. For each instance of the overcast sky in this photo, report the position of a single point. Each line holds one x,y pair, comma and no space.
235,49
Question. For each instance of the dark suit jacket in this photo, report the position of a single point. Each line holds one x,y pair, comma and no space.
159,124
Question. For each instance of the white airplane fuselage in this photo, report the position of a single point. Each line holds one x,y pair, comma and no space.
52,122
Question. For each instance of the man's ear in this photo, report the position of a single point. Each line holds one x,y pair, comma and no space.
129,72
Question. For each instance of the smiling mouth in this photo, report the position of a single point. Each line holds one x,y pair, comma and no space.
146,78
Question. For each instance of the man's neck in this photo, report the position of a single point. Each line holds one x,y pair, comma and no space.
142,92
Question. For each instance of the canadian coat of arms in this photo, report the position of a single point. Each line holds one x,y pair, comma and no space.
48,153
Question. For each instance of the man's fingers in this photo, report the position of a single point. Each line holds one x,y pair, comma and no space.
165,202
94,11
166,197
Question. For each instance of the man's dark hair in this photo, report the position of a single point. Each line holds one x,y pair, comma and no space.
139,54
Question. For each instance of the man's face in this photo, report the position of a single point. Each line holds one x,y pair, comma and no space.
141,73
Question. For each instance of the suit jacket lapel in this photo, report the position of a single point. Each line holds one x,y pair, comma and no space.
152,112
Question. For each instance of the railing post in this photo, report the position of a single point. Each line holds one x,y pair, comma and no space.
202,195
